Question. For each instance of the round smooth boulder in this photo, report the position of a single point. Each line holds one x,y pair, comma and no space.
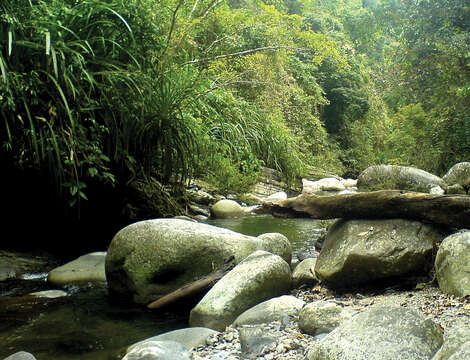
360,251
149,259
381,333
278,244
261,276
274,309
452,264
21,355
379,177
226,209
458,174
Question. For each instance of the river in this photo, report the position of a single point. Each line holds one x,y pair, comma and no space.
88,325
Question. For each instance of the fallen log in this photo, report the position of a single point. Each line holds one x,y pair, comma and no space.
450,210
194,287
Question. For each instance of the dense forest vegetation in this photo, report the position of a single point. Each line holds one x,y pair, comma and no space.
99,93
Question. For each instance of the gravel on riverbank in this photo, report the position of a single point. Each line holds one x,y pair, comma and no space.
289,343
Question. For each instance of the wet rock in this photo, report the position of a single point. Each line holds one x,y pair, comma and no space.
259,277
86,268
158,350
21,355
201,197
304,273
149,259
398,177
188,337
453,347
225,209
452,264
321,317
274,309
360,251
381,333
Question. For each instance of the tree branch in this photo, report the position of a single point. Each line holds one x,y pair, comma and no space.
246,52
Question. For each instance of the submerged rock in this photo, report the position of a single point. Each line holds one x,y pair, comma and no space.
452,264
381,333
360,251
86,268
259,277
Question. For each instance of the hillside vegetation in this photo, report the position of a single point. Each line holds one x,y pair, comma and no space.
99,93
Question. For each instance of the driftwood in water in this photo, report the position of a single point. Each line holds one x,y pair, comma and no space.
452,210
194,287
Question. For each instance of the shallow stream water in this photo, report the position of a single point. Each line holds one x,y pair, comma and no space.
88,325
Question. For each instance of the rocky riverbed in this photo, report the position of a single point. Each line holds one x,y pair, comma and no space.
284,339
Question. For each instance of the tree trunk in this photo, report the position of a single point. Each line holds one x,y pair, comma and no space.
451,210
194,287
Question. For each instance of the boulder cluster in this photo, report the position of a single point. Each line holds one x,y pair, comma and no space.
150,259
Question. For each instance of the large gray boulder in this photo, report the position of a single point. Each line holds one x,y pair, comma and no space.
359,251
274,309
158,350
381,333
87,268
278,244
379,177
188,337
152,258
455,342
225,209
259,277
452,264
458,174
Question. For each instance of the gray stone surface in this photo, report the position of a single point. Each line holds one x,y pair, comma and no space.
274,309
254,342
398,177
278,244
381,333
259,277
458,174
188,337
321,317
86,268
152,258
225,209
304,273
360,251
452,264
158,350
21,355
454,339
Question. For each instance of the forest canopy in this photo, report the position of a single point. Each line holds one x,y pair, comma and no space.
107,91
